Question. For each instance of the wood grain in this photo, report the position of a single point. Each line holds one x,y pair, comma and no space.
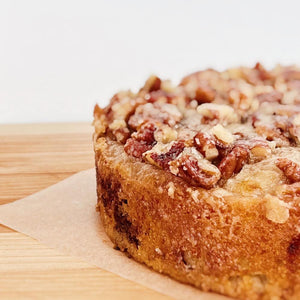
32,157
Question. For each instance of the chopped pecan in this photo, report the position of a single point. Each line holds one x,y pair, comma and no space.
282,123
204,93
159,95
145,133
271,133
272,97
119,130
153,83
255,118
257,74
294,132
294,85
290,73
239,100
233,162
199,173
290,169
163,159
259,149
122,134
157,112
136,148
165,134
263,74
206,145
198,87
141,141
222,134
122,105
217,112
287,110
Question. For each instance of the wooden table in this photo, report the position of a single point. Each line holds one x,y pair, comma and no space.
32,157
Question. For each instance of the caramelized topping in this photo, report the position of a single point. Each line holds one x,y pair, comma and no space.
206,129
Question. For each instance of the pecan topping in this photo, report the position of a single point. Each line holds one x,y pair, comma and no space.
136,148
198,89
141,141
204,93
272,97
259,149
157,112
197,171
152,84
234,161
263,74
122,134
159,95
271,133
206,145
163,159
208,127
257,74
290,169
217,112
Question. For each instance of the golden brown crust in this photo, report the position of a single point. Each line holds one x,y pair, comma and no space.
202,181
216,242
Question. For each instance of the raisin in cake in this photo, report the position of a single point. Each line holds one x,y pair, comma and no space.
201,181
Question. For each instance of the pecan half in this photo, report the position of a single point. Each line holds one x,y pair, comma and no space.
290,169
233,162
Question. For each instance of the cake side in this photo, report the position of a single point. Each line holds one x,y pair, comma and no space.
201,181
217,242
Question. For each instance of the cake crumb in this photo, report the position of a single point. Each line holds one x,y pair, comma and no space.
158,251
277,210
194,194
171,189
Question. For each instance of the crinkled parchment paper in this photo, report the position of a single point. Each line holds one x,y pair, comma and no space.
63,216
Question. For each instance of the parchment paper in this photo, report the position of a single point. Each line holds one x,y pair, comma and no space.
63,216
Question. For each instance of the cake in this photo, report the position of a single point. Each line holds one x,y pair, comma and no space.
201,180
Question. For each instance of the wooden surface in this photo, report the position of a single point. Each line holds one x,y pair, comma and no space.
33,157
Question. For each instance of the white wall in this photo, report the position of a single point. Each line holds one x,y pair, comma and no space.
58,58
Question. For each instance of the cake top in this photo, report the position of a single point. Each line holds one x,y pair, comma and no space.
214,129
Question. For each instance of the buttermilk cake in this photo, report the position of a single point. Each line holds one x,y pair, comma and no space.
201,180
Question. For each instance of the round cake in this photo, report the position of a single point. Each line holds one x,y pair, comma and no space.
201,180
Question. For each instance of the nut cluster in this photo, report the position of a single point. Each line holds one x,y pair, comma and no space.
206,129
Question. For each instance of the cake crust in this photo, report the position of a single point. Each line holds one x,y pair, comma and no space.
230,228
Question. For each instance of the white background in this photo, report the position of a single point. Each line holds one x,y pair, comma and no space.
58,58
